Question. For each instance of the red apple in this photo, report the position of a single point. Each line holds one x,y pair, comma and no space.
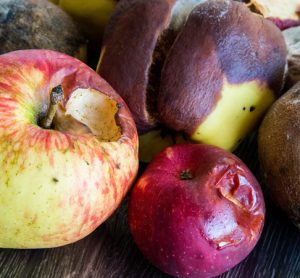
196,211
59,179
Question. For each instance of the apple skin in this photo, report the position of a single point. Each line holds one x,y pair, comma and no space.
200,226
57,186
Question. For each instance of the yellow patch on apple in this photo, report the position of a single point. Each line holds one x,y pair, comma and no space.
232,120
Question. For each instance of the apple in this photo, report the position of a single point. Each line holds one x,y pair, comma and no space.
68,149
31,24
196,211
279,149
239,74
209,69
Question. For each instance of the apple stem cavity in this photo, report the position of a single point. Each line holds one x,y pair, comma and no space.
56,96
186,175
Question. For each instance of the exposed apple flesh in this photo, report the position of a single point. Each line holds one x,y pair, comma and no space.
196,211
57,186
216,84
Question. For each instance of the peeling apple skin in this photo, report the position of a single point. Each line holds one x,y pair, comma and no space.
56,187
200,225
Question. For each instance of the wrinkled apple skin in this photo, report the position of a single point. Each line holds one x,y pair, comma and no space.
56,187
200,226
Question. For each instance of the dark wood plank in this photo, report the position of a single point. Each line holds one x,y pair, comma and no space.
111,253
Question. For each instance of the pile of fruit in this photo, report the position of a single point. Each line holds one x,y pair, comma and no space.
179,84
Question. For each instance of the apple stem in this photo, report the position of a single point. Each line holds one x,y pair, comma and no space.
56,96
186,175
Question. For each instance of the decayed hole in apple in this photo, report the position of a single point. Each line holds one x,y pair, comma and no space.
86,111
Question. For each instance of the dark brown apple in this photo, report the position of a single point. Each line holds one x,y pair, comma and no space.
279,152
28,24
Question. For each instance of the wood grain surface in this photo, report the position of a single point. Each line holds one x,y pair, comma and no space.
111,253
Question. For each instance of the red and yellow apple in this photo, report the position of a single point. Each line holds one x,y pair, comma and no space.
196,211
59,181
209,69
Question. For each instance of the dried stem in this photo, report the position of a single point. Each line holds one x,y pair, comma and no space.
56,96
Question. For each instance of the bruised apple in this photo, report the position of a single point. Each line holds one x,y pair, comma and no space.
196,211
209,69
68,149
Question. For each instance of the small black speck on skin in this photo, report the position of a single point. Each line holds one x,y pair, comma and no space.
252,108
87,163
118,166
55,180
244,108
119,105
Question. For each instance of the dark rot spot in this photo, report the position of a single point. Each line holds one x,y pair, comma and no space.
244,108
186,175
252,108
55,180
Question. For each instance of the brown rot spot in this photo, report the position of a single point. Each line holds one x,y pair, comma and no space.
252,108
186,175
118,166
55,180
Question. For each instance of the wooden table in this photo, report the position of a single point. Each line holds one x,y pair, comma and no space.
110,252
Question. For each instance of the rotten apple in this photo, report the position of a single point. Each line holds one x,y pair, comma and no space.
31,24
68,149
279,149
194,66
196,211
